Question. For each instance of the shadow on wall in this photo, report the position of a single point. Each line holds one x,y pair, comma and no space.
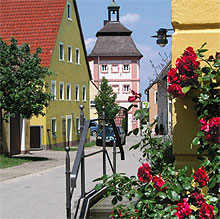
186,127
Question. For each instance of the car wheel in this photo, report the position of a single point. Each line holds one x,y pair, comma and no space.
94,133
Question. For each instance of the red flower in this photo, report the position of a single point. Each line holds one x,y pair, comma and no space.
158,183
187,62
200,176
175,90
183,209
172,75
206,211
211,129
144,173
197,198
132,98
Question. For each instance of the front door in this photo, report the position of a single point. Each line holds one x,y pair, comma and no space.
35,137
15,136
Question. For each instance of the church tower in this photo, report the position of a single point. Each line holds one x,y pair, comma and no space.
116,58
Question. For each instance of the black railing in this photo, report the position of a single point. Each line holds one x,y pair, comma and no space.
71,176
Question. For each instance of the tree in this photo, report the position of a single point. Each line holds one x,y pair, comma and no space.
106,98
23,91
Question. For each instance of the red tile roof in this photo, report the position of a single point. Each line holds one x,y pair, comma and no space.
35,22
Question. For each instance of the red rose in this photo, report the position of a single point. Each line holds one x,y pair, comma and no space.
206,211
200,176
158,183
197,198
172,75
132,98
183,209
144,173
175,90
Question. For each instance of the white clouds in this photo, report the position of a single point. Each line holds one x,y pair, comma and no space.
130,18
90,42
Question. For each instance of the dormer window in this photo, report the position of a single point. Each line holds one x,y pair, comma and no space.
69,11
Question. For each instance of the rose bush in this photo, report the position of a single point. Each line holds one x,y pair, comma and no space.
160,190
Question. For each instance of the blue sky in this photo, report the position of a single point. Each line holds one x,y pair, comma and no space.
143,17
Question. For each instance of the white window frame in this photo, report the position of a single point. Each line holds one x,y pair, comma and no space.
77,125
55,89
61,97
61,44
84,93
68,93
77,95
126,70
104,68
55,127
69,11
126,91
71,128
77,56
70,54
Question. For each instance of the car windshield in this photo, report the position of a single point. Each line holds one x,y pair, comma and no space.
109,130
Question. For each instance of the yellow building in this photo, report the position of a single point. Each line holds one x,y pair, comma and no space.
194,22
55,27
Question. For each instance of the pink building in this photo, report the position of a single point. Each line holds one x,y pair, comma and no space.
116,58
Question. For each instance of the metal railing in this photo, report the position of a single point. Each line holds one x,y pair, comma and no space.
71,176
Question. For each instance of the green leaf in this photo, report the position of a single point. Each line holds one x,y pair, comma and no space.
135,131
173,196
114,200
196,141
162,195
212,183
98,186
187,186
213,199
186,89
204,44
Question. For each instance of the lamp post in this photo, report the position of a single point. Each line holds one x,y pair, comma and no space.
162,36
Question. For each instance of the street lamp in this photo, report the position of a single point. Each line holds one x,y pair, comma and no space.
162,36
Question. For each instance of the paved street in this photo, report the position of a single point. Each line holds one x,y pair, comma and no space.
41,195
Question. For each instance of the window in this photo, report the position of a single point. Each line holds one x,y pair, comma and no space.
115,68
84,93
77,56
68,91
53,89
61,91
54,127
126,88
115,89
69,128
77,92
92,103
63,126
155,97
77,126
61,51
126,67
69,11
70,54
104,68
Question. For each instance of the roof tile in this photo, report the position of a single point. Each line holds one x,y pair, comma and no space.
35,22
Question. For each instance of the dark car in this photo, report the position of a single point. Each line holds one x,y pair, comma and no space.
109,136
94,128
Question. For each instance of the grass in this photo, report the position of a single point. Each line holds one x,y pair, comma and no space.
6,161
89,144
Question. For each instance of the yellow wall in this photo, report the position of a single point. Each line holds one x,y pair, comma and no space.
93,93
195,22
69,34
